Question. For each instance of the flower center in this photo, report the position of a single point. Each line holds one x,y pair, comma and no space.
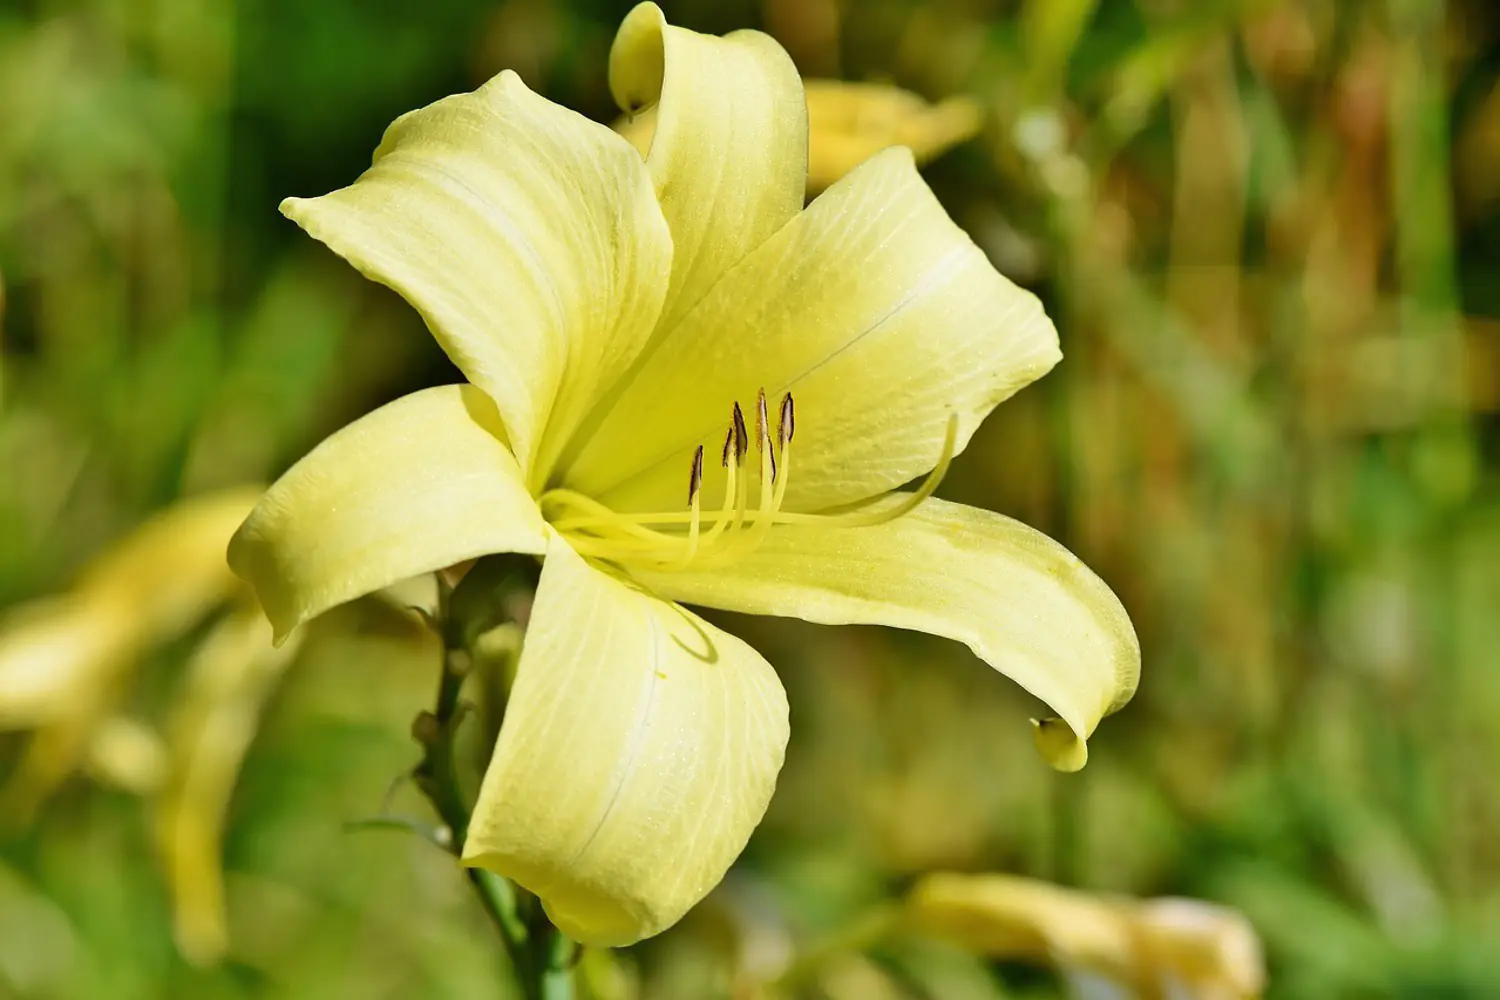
678,539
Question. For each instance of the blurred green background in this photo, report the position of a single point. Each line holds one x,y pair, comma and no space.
1270,236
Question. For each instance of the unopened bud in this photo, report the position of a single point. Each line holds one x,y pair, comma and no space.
426,729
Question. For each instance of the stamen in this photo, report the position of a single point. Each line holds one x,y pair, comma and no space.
763,433
726,512
695,477
695,481
865,517
741,437
736,530
771,498
601,516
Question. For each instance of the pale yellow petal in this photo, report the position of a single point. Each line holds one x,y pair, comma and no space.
170,571
53,651
878,313
850,122
1157,947
640,749
128,754
527,236
421,483
232,674
1007,916
728,151
1211,949
62,660
1022,602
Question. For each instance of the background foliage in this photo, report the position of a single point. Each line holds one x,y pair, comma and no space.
1270,235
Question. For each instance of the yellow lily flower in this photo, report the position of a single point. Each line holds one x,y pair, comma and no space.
622,321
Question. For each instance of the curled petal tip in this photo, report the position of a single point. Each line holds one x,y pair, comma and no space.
1064,749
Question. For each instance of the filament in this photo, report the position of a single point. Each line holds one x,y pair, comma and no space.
682,539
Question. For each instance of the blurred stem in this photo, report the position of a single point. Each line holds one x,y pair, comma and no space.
1066,804
541,957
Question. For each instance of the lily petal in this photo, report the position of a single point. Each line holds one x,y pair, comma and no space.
53,650
878,313
1026,605
527,236
421,483
232,675
169,572
1151,947
729,149
640,749
848,122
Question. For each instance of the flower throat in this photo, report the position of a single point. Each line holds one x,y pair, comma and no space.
686,538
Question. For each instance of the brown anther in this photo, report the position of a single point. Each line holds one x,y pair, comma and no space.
788,422
763,431
762,420
695,478
728,447
741,436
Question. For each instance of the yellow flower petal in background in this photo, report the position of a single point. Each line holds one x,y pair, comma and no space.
421,483
526,235
170,570
1213,950
53,648
63,660
63,666
232,674
1161,947
874,309
850,122
1022,602
1012,917
639,751
128,754
728,146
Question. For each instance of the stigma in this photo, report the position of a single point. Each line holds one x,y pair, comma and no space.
752,503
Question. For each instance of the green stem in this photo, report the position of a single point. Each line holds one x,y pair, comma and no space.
540,956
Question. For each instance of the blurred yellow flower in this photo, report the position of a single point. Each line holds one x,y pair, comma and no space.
1157,947
617,317
64,660
232,674
64,664
850,122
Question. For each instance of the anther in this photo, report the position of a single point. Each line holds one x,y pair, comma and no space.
763,432
695,478
728,446
788,421
741,436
